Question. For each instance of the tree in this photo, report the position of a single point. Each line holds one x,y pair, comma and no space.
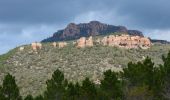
140,73
29,97
111,86
73,91
88,90
143,75
55,86
40,97
9,90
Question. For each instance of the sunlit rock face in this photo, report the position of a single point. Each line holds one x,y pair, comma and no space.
89,42
122,41
62,44
81,42
35,46
54,44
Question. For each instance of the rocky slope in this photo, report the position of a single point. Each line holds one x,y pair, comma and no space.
93,28
32,69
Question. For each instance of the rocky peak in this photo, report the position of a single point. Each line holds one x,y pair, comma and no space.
75,31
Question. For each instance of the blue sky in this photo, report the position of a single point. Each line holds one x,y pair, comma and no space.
25,21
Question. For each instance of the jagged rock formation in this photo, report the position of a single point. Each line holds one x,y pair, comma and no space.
83,42
35,46
62,44
54,44
127,41
124,41
93,28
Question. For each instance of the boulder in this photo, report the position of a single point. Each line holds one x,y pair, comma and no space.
81,42
89,42
21,49
54,44
39,46
34,46
62,44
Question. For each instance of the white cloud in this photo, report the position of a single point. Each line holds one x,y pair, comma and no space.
109,17
26,36
158,34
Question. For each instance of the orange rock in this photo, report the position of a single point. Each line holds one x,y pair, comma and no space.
34,46
104,41
39,46
54,44
89,42
81,42
62,44
126,41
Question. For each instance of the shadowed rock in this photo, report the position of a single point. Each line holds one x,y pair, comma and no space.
93,28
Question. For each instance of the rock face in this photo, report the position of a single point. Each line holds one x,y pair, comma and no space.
62,44
21,49
127,41
93,28
123,41
35,46
83,42
89,42
54,44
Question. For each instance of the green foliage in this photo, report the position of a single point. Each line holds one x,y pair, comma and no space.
40,97
88,90
144,74
4,57
9,89
138,80
72,91
140,73
111,86
29,97
55,86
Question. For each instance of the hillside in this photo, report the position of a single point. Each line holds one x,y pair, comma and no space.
32,70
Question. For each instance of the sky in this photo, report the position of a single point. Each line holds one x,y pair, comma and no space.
26,21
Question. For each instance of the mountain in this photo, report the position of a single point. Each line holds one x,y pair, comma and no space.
160,41
93,28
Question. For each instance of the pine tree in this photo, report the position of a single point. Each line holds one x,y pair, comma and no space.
29,97
9,90
40,97
55,86
111,86
73,91
88,90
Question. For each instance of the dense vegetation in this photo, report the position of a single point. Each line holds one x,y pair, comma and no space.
139,80
31,70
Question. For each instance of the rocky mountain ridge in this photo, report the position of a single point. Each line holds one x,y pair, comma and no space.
93,28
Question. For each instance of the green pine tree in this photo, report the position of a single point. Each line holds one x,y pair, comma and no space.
9,89
88,90
111,86
29,97
55,86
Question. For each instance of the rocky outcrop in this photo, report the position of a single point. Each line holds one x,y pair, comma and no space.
36,46
93,28
54,44
21,48
127,41
123,41
62,44
89,42
83,42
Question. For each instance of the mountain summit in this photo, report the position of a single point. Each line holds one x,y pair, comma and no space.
93,28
